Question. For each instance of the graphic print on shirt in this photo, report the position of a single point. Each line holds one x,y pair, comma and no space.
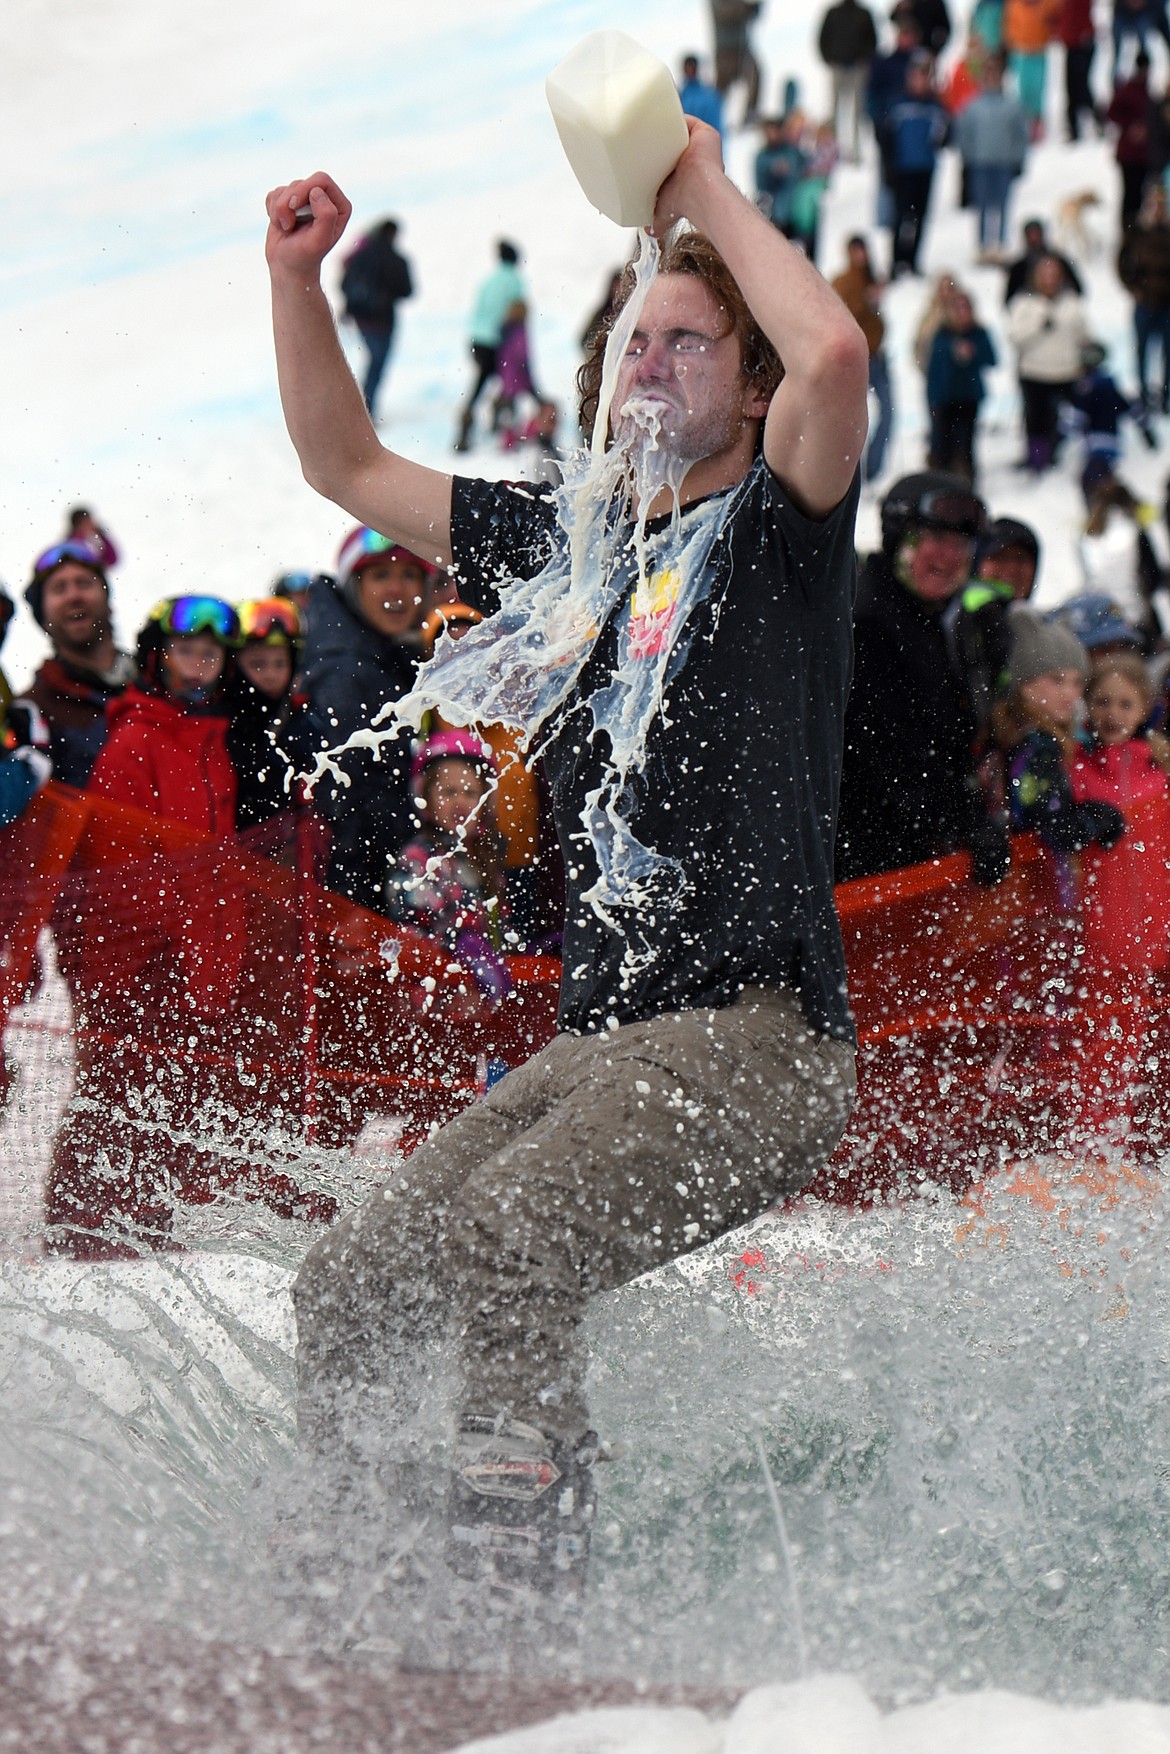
652,611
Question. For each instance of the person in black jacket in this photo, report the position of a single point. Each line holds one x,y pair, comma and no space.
848,43
362,650
376,278
1036,246
908,790
269,740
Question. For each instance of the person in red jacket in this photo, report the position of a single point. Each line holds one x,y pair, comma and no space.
1075,30
167,746
157,951
1131,112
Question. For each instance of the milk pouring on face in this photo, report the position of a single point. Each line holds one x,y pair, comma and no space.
620,122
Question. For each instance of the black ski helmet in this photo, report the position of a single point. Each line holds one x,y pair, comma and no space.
930,500
1010,533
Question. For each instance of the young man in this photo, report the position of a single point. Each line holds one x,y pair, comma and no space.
682,1098
70,599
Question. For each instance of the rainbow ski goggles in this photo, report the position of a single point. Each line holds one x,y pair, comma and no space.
182,616
271,621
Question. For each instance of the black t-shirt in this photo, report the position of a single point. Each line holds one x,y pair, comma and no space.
743,761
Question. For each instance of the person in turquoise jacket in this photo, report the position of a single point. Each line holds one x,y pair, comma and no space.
500,302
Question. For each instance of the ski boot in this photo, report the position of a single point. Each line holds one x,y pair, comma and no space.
520,1515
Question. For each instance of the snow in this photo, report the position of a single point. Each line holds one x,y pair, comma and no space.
137,364
134,340
831,1715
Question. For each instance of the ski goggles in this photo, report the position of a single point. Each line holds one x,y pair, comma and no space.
182,616
271,621
78,551
944,509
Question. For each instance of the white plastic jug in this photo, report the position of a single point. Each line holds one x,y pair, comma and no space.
620,121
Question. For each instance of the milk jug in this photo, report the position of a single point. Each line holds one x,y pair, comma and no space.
620,122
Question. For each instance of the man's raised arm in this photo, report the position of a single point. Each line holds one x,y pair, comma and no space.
816,425
327,421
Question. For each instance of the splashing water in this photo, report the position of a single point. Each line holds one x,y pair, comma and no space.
966,1428
967,1433
520,667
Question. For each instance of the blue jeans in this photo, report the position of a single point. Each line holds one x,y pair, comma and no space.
875,450
378,347
991,187
1152,327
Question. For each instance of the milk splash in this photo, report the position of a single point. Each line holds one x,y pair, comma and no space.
521,667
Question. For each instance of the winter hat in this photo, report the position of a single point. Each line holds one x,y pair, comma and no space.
1007,533
77,552
930,500
360,548
1097,621
1039,648
449,746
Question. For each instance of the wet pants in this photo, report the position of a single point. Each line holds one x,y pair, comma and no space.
605,1156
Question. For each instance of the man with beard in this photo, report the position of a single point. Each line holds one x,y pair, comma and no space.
689,1085
70,599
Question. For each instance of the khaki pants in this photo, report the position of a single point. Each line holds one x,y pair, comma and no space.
603,1157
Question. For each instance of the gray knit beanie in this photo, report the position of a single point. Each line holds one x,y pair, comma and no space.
1038,647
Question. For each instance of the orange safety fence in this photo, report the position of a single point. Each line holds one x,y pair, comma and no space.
993,1023
228,1015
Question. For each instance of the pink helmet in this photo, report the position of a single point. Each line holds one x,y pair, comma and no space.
449,746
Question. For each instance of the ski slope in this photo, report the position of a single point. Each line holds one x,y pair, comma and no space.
137,364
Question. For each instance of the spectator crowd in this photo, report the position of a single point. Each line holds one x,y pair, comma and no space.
217,718
971,716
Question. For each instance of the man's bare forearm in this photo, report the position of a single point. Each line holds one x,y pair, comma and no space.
339,451
795,307
323,407
816,424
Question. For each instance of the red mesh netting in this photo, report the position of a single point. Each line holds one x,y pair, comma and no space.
227,1017
186,1018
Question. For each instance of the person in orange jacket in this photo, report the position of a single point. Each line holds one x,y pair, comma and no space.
1028,28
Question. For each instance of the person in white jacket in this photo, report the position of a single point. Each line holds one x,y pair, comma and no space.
1049,326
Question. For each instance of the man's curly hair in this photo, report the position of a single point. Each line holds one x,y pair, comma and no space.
686,252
